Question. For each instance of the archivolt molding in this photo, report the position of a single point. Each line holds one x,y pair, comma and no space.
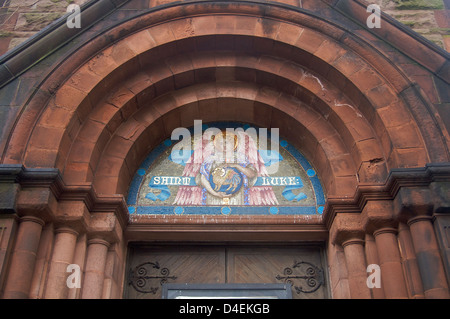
217,100
325,53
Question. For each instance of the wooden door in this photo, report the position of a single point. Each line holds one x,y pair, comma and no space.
151,266
303,267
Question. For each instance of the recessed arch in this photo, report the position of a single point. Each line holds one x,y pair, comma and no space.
75,101
147,127
319,111
115,91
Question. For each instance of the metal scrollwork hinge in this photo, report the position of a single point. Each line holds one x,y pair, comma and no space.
306,278
143,277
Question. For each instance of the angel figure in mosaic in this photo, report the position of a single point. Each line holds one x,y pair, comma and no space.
225,167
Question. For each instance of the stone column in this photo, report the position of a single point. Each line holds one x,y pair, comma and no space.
392,277
23,260
372,259
108,283
95,269
78,259
428,257
409,261
357,268
8,232
63,250
42,261
338,272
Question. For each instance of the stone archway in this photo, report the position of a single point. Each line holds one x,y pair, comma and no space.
348,108
363,82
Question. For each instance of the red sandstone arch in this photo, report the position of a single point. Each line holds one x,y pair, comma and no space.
332,94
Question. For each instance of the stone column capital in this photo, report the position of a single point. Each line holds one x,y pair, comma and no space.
421,218
346,227
353,241
385,230
98,241
32,219
411,202
66,229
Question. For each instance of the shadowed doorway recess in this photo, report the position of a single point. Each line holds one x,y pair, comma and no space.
152,266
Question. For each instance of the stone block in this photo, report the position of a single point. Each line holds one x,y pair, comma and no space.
345,227
381,96
330,51
367,150
36,157
69,97
39,202
441,196
106,184
442,89
289,33
91,130
78,172
411,157
419,4
373,172
105,226
8,194
350,63
411,202
345,185
48,138
378,214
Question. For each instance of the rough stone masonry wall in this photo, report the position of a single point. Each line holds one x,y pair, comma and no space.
430,18
20,19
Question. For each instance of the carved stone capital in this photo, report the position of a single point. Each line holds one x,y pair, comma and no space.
98,241
420,218
385,230
353,241
346,227
413,201
33,219
378,214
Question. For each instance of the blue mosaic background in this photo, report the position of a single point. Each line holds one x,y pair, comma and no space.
140,175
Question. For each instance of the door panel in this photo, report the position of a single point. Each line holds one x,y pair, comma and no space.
151,266
300,266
